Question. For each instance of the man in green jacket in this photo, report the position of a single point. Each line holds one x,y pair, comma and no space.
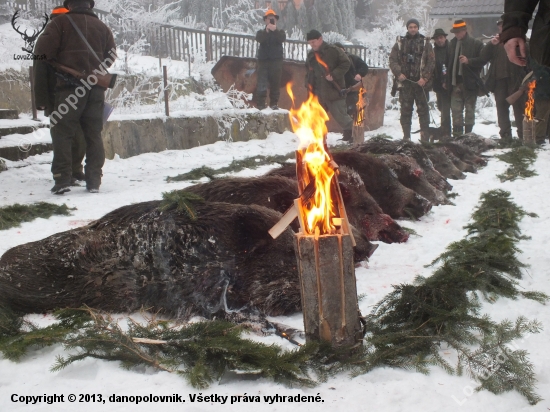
503,79
328,83
463,76
516,17
412,62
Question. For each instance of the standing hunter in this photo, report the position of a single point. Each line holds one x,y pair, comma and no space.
270,61
441,50
82,51
503,79
463,68
326,79
45,81
412,62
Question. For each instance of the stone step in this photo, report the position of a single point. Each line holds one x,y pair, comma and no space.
9,114
6,131
15,153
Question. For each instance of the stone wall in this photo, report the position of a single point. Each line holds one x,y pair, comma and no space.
132,137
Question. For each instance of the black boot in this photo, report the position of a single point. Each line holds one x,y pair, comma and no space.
347,136
469,128
458,130
406,132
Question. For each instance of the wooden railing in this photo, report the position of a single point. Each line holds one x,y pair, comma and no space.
179,43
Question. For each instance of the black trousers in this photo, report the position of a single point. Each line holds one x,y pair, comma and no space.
502,91
65,122
444,106
269,77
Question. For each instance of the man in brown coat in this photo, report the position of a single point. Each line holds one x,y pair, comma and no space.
45,81
517,15
89,52
504,78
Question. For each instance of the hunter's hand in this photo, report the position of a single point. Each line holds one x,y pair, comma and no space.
329,77
358,77
421,82
271,27
445,86
402,77
463,59
495,40
510,47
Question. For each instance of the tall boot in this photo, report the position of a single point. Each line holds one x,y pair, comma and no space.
347,135
424,136
406,132
469,128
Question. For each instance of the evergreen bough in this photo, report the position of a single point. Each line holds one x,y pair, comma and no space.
14,215
519,158
235,166
407,329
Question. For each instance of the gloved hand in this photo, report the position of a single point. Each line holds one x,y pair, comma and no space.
343,92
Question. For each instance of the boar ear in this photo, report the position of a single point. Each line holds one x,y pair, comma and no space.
345,192
282,201
252,224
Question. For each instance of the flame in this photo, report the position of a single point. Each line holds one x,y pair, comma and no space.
360,108
530,104
309,124
321,62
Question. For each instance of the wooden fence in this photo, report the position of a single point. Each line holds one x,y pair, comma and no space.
181,43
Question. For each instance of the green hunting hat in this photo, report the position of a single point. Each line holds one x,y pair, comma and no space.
439,32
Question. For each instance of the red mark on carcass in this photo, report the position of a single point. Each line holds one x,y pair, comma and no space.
447,221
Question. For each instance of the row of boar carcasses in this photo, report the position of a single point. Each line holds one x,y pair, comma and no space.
224,260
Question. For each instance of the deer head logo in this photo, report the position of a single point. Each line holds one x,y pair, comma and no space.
29,40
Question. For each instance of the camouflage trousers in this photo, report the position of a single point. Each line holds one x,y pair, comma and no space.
410,94
463,101
338,111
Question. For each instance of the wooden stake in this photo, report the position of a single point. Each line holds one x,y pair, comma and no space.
328,289
166,97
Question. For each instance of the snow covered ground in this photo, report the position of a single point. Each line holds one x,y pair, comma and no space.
142,178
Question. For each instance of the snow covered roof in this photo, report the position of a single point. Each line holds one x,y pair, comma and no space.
467,8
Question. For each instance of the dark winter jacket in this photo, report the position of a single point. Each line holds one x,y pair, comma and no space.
338,64
441,58
501,68
471,48
44,86
517,14
62,44
413,56
358,66
271,44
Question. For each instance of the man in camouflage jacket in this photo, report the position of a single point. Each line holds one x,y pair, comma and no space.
412,62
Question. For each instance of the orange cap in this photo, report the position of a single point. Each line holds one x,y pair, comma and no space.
60,10
270,12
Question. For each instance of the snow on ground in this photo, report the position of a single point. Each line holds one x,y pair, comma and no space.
142,178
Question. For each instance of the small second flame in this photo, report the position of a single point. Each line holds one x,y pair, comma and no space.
530,104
